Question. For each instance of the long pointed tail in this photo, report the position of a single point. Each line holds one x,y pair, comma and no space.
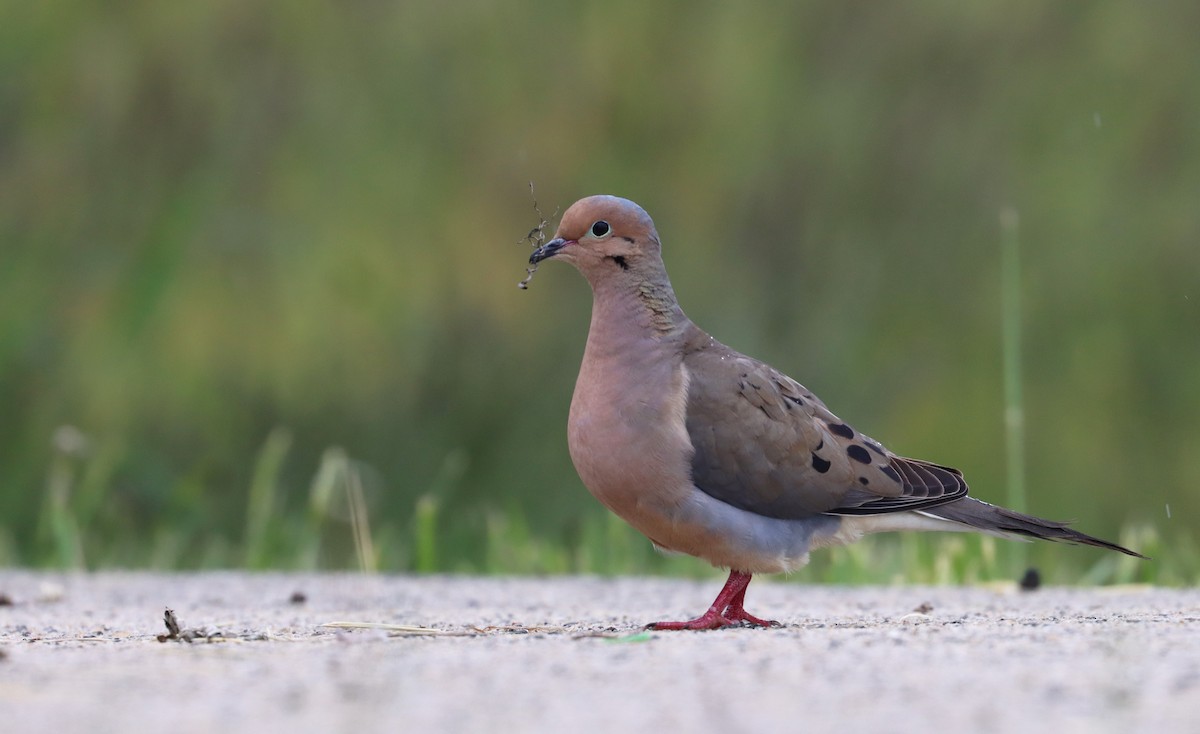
1002,521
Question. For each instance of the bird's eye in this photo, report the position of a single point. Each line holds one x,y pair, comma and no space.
600,228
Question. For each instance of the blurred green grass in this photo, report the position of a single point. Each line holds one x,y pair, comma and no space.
254,255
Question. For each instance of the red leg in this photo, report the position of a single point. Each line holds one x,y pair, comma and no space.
726,611
735,613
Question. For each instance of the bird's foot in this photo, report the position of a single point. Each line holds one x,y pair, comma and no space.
741,617
726,611
712,620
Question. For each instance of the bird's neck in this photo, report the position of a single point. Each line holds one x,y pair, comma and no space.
635,309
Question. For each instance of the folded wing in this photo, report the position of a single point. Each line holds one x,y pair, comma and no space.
765,444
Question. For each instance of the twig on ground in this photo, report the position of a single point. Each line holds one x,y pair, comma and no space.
175,631
396,629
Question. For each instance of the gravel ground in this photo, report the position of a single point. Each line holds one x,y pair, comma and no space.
80,653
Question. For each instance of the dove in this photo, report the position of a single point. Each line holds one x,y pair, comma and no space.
717,455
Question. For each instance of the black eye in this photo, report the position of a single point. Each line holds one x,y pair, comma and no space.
601,228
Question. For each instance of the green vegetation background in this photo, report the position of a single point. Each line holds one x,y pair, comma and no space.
259,260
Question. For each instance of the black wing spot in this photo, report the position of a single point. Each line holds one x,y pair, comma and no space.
874,446
858,453
842,430
890,473
821,465
864,481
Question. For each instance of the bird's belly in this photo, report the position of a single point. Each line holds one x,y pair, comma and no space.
729,537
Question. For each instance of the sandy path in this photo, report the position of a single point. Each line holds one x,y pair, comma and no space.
79,654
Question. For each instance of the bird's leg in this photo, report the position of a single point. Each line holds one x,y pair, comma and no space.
726,611
714,618
735,613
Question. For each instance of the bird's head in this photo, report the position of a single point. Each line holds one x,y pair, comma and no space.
603,235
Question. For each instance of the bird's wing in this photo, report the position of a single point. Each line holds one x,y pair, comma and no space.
765,444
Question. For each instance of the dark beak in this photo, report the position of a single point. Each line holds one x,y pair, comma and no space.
547,251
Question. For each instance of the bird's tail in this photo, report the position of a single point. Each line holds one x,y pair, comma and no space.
1004,522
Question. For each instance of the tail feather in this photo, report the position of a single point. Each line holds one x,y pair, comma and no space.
1002,521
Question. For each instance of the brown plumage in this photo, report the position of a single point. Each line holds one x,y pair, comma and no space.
712,453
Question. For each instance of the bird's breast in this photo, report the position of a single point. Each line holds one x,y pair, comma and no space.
628,438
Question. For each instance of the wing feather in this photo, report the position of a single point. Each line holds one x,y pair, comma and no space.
764,443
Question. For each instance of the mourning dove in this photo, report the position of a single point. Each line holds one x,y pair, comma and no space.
717,455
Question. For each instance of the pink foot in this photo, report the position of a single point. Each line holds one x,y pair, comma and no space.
710,620
737,614
726,611
746,619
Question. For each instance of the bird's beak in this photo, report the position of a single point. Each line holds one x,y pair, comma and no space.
547,251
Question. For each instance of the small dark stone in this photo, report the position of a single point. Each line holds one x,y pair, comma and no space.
298,597
5,600
842,430
1031,580
820,464
858,453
